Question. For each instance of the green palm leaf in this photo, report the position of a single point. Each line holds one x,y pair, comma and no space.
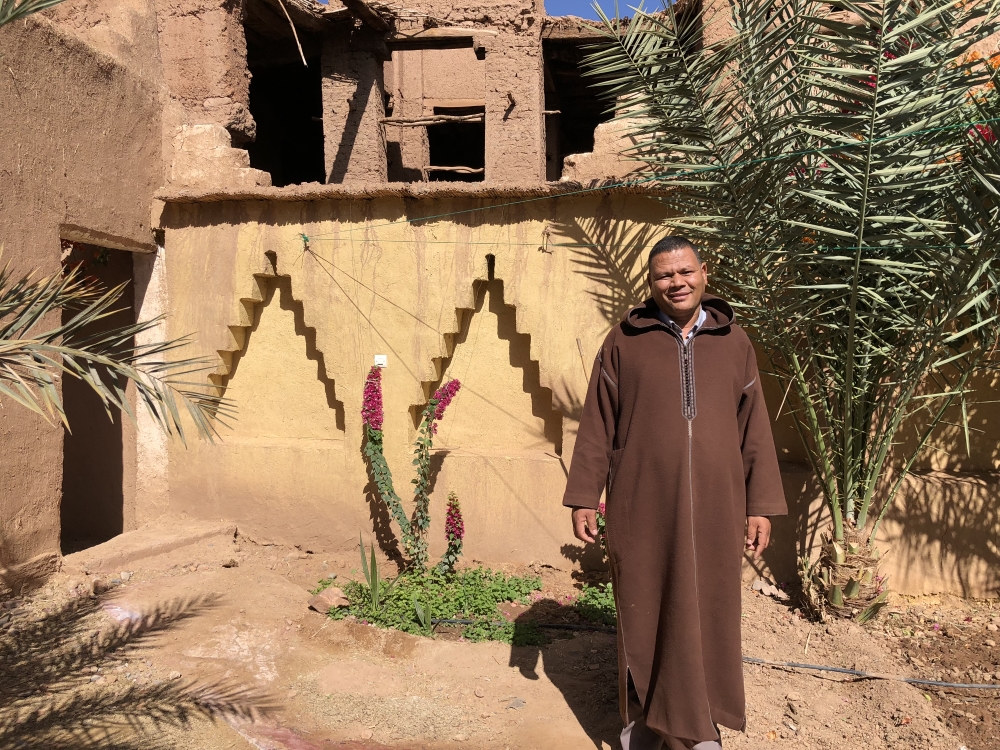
33,357
823,154
12,10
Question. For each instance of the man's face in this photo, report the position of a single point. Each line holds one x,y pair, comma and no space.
677,281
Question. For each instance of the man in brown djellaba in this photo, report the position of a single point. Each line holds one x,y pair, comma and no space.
675,429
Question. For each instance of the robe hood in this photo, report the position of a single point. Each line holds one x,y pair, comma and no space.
720,314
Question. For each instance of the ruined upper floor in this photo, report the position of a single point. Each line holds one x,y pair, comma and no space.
292,92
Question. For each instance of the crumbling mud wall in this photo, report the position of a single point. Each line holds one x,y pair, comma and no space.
499,69
81,160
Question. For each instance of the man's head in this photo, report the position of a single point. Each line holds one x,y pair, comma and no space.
677,277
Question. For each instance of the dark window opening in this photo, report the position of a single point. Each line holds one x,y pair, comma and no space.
286,98
458,147
93,499
574,108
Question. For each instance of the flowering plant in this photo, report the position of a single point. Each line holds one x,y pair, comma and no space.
454,531
413,529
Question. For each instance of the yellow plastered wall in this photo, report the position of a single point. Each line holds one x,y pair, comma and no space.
292,301
495,299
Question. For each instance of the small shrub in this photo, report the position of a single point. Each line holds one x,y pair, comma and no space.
597,604
322,585
418,597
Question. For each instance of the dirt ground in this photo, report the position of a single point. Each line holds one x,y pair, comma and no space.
231,637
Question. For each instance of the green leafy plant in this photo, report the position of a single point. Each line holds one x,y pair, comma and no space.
376,590
419,597
413,529
597,604
423,613
323,584
12,10
823,155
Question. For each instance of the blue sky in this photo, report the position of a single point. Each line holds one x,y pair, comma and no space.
582,8
585,8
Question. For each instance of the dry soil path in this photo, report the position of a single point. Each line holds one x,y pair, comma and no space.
348,685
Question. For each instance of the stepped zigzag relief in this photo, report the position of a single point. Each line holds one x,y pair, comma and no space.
268,289
499,379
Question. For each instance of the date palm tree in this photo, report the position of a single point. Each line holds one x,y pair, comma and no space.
838,161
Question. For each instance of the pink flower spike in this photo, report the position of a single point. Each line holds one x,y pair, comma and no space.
444,396
454,526
371,402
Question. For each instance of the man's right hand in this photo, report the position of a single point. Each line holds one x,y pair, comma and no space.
585,524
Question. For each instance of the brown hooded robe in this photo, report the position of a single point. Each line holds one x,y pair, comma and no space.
679,435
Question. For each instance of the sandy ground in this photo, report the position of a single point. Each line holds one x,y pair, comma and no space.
234,626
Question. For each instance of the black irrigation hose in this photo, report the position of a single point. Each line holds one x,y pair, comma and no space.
761,662
550,625
870,675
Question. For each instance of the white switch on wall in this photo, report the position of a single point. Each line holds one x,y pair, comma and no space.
381,360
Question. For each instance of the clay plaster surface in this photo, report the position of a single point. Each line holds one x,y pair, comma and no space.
371,282
408,291
81,154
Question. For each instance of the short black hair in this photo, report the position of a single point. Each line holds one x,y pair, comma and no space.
669,244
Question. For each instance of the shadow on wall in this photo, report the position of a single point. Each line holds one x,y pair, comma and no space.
519,352
47,698
945,528
282,286
797,534
611,253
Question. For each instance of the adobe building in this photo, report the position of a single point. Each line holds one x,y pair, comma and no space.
304,187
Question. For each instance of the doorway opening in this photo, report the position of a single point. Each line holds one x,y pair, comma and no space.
286,98
94,447
573,109
458,149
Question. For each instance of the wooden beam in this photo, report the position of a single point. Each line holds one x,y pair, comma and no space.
425,171
415,122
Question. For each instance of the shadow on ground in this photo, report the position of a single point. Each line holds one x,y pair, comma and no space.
582,664
56,691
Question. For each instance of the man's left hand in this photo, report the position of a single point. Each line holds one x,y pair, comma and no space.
758,534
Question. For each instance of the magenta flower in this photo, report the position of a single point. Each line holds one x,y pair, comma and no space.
443,396
454,526
600,508
986,132
371,404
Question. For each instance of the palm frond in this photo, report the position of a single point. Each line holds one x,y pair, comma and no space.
34,358
12,10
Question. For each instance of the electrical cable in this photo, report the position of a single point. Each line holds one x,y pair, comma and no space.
761,662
